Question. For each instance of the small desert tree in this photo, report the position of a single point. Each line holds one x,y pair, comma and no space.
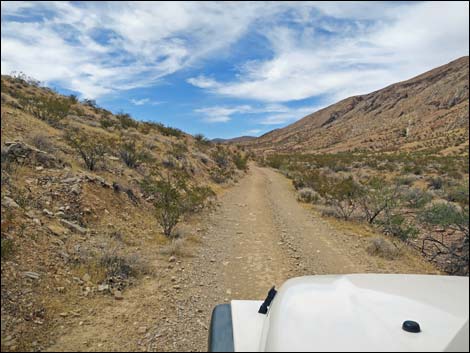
343,195
377,197
90,148
173,197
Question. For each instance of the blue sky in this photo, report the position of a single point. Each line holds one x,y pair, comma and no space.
228,69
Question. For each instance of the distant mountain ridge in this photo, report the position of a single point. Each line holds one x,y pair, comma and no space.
234,140
429,111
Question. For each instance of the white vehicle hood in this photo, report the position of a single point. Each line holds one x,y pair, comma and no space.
358,313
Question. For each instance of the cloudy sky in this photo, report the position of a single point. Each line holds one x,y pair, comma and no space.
227,69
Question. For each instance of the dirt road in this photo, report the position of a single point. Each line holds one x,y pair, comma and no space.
258,236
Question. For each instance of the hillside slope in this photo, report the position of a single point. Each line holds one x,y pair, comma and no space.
429,111
72,228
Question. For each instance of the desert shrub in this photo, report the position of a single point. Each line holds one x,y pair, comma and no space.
436,183
376,198
447,215
117,266
202,140
90,148
241,162
7,248
168,130
456,253
175,248
308,195
343,195
313,179
132,155
106,123
416,198
50,109
197,197
330,212
169,202
173,197
406,180
42,142
221,157
458,194
179,151
220,175
274,161
73,99
397,226
90,103
381,247
126,121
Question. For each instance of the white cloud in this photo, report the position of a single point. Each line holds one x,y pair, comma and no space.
145,101
219,114
96,48
269,114
353,58
315,48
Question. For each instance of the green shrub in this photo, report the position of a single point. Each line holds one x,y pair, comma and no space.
455,253
50,109
241,162
7,248
202,140
126,121
106,123
458,194
221,157
132,155
377,197
416,198
436,183
396,225
343,195
173,197
90,148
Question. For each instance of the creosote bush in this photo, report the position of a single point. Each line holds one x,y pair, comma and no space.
90,148
133,155
173,197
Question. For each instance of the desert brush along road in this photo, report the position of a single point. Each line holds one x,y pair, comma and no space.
257,236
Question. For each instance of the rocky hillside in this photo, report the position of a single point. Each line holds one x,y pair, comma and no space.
76,219
427,112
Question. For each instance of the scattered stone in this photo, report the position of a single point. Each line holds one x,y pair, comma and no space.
37,221
103,287
32,275
8,202
56,229
172,259
73,226
118,295
71,180
39,168
86,277
142,330
47,212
